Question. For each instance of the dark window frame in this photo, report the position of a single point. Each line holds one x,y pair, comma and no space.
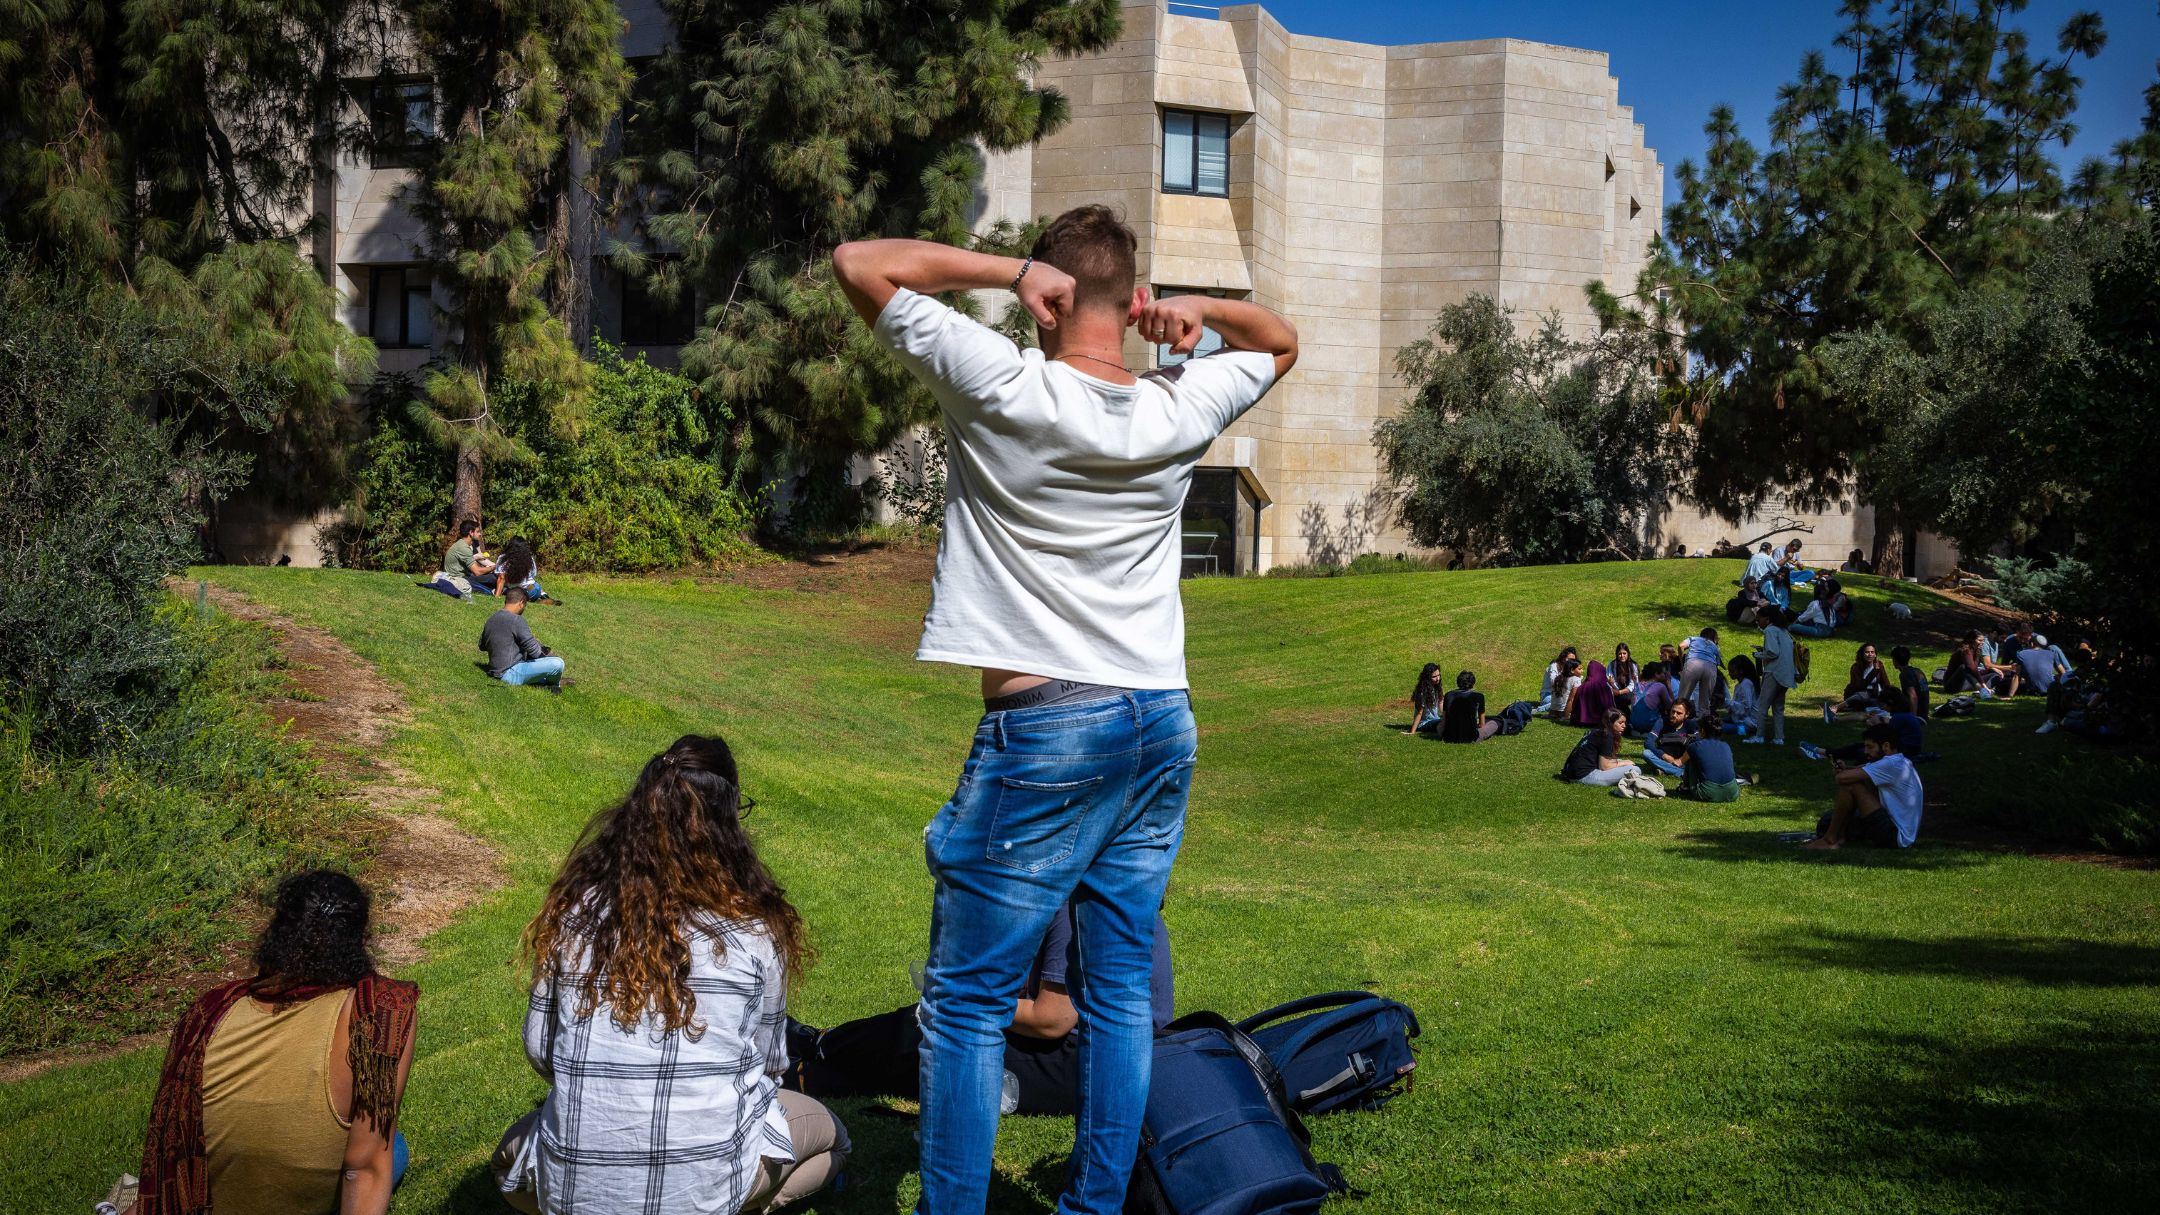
406,290
397,152
1198,118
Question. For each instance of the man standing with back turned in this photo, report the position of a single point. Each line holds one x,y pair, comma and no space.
1057,575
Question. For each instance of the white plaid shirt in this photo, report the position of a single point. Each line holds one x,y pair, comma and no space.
652,1123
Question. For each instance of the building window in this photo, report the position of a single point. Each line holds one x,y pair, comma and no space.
1210,341
401,119
1196,153
648,319
399,312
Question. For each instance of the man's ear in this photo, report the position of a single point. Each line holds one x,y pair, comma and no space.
1139,305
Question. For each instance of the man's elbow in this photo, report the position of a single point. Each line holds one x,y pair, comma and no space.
847,262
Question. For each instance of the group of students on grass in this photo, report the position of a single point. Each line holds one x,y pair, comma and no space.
662,955
514,655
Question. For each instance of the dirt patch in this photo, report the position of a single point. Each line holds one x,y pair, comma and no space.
422,868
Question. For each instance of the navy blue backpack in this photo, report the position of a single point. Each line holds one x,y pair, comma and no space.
1342,1050
1219,1137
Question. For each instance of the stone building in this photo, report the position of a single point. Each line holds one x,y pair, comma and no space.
1357,189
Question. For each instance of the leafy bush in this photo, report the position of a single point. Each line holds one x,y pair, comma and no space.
637,486
104,493
125,862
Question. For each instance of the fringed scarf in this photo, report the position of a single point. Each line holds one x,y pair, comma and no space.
175,1173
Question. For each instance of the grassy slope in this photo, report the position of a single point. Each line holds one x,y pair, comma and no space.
1628,1006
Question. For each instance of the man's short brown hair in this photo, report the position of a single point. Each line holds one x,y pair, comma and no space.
1094,246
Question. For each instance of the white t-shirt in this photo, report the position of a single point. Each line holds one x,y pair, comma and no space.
1899,784
1062,499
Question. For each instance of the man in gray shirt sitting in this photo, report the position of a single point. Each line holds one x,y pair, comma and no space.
513,656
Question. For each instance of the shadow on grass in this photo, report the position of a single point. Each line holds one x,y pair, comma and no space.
2044,961
1760,847
2058,1120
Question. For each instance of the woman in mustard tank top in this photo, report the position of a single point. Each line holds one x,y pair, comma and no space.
280,1092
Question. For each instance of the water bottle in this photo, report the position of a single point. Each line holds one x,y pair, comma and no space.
1009,1094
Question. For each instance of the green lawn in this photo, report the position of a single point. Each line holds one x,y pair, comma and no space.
1628,1005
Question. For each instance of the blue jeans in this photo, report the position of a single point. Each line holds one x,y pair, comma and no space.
1656,759
1081,801
400,1156
537,670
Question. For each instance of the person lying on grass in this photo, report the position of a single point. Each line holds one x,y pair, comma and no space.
1707,772
1878,800
280,1092
881,1056
514,656
661,961
1595,760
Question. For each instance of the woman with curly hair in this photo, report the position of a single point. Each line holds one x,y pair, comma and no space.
280,1092
661,961
1425,700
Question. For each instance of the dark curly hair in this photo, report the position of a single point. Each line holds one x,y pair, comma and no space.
317,935
647,871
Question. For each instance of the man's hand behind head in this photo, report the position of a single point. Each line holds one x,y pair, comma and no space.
1047,293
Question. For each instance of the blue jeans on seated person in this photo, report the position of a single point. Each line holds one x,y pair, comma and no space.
1656,759
400,1156
1080,801
1809,630
536,670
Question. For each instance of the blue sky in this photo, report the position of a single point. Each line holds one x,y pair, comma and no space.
1678,58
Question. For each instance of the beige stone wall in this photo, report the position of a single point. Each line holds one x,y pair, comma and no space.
1369,187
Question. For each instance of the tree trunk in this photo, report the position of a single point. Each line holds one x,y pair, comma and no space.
465,499
570,243
1889,555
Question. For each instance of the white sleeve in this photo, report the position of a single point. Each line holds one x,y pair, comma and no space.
1219,388
964,362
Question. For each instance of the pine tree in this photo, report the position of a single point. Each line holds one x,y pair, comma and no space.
518,84
149,151
1920,173
775,132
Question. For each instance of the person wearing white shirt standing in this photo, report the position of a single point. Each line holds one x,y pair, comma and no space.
1057,575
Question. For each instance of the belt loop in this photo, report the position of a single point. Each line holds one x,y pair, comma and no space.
997,725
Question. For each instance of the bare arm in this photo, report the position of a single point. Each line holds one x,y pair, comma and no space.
366,1180
1179,320
871,271
1050,1015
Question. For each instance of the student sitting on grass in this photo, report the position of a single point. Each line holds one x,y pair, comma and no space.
1815,621
1622,673
2039,664
1425,700
1665,751
1463,717
1878,800
1553,672
513,655
280,1092
2075,699
661,959
521,568
1595,760
1867,685
1571,678
1912,682
1708,774
1591,698
1652,697
1973,669
465,565
1743,686
881,1056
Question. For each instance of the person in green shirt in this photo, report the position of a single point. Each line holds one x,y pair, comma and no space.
466,559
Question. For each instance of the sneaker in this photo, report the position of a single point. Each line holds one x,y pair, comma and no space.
1827,715
2047,727
1756,741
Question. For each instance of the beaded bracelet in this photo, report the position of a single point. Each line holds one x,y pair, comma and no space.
1024,268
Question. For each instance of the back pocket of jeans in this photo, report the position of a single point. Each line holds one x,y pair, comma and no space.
1037,823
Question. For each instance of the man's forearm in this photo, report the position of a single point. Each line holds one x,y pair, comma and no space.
1247,326
874,268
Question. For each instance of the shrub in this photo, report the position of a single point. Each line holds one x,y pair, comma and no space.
125,862
637,487
104,493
